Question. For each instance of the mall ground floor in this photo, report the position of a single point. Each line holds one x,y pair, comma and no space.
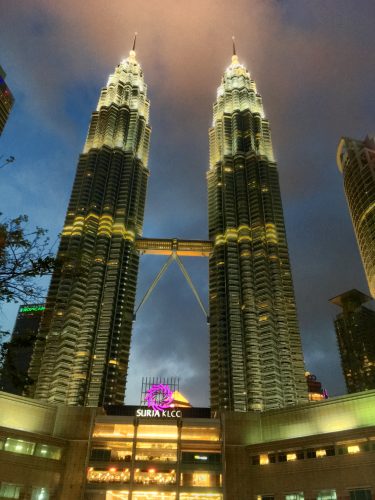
322,451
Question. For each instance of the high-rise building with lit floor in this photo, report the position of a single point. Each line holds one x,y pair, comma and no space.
6,100
255,348
356,162
355,331
82,352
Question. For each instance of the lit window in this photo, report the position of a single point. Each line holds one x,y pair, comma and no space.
353,449
19,446
320,453
291,456
360,494
295,496
8,490
263,460
39,494
327,495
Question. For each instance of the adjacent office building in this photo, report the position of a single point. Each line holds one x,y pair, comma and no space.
17,361
356,162
82,351
355,331
6,100
255,348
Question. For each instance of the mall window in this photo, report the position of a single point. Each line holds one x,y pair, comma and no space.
8,490
146,495
48,451
157,432
327,495
200,434
114,430
155,453
201,479
201,496
111,475
360,494
100,455
39,494
117,495
19,446
200,457
153,476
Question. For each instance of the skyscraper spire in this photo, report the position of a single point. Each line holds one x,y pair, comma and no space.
135,39
234,54
234,46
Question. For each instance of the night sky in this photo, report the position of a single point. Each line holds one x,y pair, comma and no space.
313,64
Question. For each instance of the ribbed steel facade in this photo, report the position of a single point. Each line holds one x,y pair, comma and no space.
356,161
256,360
82,352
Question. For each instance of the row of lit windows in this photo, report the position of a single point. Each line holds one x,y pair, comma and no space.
29,448
161,495
10,490
290,456
153,476
151,452
157,432
354,494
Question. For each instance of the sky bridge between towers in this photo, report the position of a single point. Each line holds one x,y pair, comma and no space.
183,248
175,249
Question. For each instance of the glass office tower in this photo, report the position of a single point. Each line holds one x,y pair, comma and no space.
82,352
256,360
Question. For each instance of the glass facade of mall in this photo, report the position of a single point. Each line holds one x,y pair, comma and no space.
139,459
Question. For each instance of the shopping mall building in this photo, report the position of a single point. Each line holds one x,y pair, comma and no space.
320,451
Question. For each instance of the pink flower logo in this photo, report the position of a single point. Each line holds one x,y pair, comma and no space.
159,397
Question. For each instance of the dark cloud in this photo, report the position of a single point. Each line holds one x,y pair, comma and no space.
311,64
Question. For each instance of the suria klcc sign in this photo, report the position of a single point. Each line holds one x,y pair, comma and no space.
159,399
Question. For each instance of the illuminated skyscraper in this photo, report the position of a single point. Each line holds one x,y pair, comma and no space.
355,331
6,100
82,352
255,347
356,162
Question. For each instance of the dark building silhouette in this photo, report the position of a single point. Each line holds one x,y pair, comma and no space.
20,348
355,331
256,359
6,100
82,351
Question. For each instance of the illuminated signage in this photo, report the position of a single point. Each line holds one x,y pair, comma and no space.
27,309
159,399
200,457
146,412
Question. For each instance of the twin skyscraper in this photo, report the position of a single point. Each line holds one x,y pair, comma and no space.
82,352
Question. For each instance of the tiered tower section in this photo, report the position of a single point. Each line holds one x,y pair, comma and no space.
81,356
255,349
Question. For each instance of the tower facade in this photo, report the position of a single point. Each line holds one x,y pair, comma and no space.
256,360
356,162
355,332
82,351
6,100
